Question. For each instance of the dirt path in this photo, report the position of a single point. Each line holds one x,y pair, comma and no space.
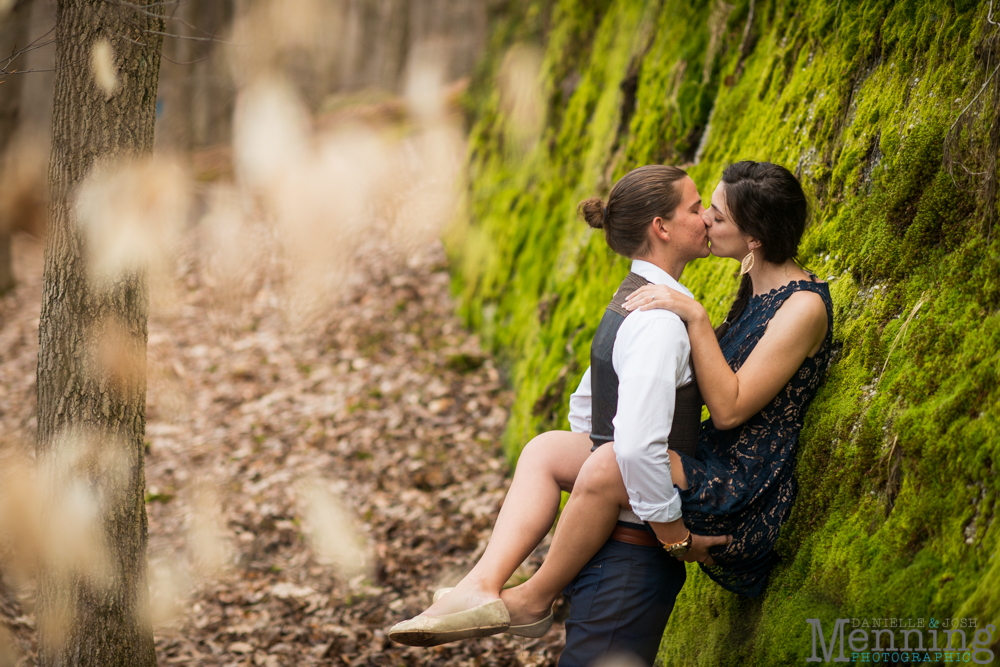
305,491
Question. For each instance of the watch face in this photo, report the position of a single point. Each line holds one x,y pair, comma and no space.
680,550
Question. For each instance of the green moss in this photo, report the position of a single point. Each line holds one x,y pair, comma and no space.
897,461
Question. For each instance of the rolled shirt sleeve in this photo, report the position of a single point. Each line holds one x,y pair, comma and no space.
651,358
580,406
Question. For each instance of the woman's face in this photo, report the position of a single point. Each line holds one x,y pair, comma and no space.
726,238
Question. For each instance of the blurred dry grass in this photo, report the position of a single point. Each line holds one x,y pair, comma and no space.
521,99
102,64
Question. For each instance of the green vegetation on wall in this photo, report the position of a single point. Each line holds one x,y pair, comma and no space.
888,113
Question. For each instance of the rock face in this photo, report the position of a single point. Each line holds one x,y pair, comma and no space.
889,115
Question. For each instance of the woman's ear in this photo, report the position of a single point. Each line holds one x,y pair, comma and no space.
753,244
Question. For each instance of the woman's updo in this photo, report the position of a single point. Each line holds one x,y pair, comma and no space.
766,202
638,197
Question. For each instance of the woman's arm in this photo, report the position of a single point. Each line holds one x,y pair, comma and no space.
795,332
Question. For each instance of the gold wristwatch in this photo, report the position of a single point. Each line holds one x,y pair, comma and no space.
678,549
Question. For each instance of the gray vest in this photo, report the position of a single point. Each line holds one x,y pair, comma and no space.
604,381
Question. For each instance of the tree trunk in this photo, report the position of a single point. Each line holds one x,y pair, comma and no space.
13,36
6,259
89,617
197,93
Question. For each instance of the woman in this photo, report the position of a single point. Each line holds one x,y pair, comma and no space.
759,373
757,379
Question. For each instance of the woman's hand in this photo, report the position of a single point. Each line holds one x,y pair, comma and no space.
698,553
648,297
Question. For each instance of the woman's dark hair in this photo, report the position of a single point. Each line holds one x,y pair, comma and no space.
638,197
766,202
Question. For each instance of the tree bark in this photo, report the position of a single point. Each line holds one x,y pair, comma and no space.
13,36
88,618
6,259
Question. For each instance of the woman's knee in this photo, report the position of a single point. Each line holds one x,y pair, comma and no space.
601,475
557,454
538,452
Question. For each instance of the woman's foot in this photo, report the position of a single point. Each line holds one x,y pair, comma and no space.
460,598
524,608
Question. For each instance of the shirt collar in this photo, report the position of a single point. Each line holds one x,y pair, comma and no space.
657,276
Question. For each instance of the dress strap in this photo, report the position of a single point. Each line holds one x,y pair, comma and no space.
774,299
823,289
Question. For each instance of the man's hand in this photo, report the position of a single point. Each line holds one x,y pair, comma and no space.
698,553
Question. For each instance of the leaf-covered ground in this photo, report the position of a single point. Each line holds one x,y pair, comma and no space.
277,460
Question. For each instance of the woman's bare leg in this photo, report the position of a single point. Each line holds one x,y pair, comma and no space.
585,525
547,465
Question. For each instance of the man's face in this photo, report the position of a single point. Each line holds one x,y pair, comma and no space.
688,234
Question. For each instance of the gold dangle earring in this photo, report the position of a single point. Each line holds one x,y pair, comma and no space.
747,263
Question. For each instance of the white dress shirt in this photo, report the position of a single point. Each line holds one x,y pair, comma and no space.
652,357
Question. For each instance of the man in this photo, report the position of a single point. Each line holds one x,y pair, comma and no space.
639,393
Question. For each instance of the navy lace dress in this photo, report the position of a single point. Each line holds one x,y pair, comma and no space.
741,482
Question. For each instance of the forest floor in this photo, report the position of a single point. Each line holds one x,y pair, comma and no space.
305,491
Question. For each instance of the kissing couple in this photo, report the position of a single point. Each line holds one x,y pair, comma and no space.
649,486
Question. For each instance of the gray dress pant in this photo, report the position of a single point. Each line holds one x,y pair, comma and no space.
620,603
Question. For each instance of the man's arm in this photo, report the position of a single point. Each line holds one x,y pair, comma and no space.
581,406
650,357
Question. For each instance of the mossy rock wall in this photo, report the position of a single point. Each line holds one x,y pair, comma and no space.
897,464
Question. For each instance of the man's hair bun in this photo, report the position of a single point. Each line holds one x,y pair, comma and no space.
638,197
592,210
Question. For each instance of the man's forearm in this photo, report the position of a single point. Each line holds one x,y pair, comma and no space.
670,532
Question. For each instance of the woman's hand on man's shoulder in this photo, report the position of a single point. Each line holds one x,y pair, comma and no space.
649,297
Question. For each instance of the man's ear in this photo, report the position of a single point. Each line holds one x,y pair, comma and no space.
660,229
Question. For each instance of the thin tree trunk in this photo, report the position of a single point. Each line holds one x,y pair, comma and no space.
13,37
6,259
196,91
87,617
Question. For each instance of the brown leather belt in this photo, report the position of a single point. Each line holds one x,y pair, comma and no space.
638,536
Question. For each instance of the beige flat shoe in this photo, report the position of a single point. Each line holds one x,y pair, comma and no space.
482,621
536,629
530,630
